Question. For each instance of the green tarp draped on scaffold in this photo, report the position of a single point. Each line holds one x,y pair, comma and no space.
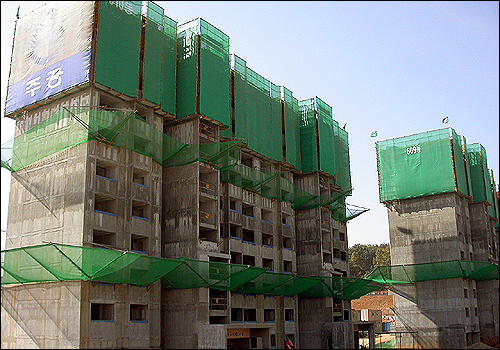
52,262
127,130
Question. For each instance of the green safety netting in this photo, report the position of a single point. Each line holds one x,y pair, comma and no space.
125,129
422,164
257,103
482,181
434,271
118,47
60,262
122,129
320,134
160,56
203,71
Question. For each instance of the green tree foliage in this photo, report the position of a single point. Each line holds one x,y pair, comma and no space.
364,258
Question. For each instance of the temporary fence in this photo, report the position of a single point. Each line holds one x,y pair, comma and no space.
411,273
61,262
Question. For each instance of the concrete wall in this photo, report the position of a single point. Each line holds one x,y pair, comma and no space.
42,315
439,313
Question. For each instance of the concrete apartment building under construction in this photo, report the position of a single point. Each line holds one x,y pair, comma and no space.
163,194
442,204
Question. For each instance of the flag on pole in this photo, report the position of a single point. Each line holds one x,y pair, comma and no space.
446,120
344,126
374,134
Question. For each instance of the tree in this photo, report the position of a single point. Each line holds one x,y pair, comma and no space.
364,258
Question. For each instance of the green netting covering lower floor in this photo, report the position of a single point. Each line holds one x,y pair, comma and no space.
411,273
61,262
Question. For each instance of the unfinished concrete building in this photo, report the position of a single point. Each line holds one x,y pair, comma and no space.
442,204
149,207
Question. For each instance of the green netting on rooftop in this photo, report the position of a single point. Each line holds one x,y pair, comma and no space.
257,111
292,129
411,273
118,47
481,178
123,129
319,132
59,262
160,50
203,71
421,164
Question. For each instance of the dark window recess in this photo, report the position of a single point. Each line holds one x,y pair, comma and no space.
269,315
236,314
103,237
289,315
138,312
250,315
101,312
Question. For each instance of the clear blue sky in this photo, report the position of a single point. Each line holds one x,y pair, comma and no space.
395,67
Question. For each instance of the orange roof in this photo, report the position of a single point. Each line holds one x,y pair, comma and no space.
375,301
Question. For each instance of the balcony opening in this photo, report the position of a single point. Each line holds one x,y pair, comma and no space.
236,258
105,205
287,266
138,313
209,235
139,244
267,240
289,315
105,170
246,160
247,210
103,238
250,315
248,236
268,263
236,314
140,210
287,243
140,177
101,312
248,260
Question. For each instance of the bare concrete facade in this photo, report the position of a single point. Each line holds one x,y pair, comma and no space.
89,195
450,313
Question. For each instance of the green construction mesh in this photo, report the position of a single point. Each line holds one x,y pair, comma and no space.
59,262
420,164
308,146
292,131
123,129
160,59
482,271
203,71
342,159
326,126
187,66
118,46
260,101
215,79
480,177
127,130
495,203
